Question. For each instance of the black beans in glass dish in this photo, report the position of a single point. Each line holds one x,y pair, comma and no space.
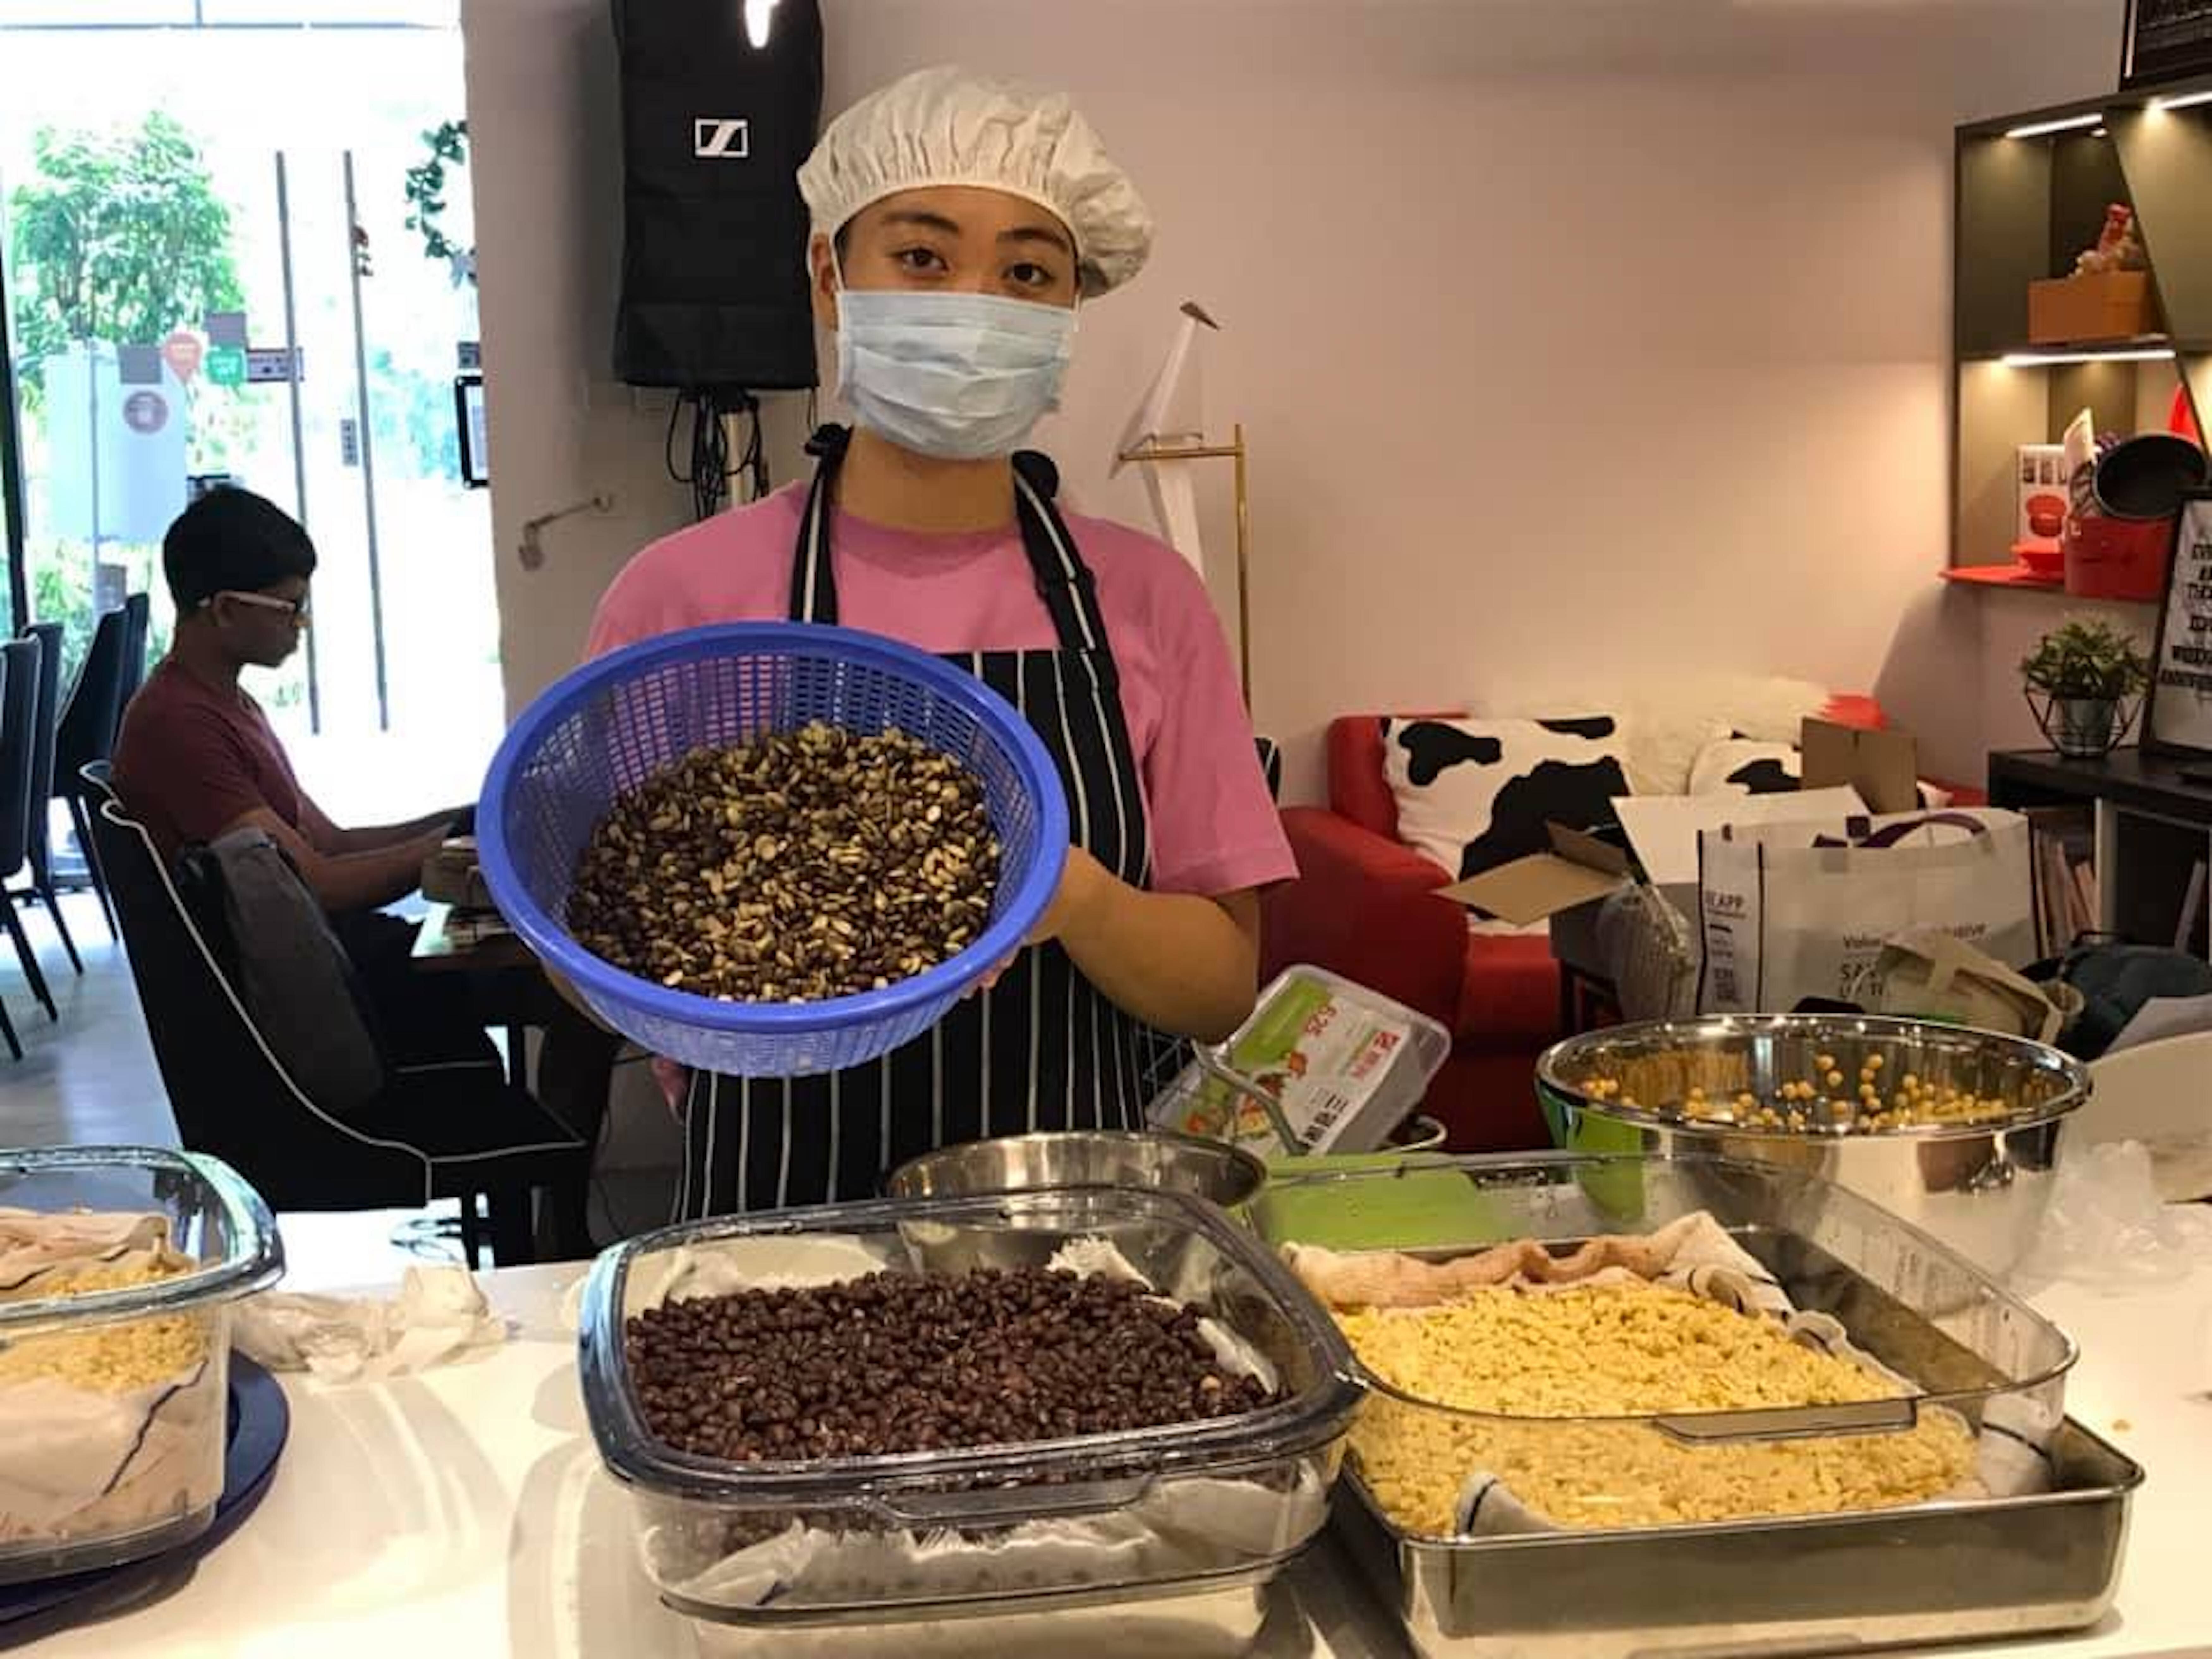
900,1363
795,868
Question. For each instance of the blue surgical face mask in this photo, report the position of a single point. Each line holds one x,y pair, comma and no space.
958,376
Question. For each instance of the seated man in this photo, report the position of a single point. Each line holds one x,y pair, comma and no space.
196,758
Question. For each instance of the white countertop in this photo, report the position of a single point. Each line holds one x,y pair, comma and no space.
463,1513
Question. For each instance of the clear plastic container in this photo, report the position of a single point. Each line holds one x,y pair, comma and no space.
1324,1065
113,1400
1133,1516
1967,1352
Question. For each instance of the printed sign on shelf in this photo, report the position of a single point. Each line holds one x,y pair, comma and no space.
2180,716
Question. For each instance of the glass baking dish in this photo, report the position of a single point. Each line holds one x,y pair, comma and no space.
858,1540
113,1399
1962,1352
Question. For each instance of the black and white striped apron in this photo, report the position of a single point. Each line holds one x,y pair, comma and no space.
1044,1049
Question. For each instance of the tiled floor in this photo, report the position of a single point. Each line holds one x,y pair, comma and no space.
90,1078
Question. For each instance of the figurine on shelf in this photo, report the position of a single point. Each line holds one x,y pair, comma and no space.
2118,248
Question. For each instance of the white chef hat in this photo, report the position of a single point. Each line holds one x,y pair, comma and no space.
947,126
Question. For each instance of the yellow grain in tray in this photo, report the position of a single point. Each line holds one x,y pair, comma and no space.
115,1358
1595,1352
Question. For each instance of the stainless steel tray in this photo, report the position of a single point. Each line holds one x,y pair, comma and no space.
1216,1616
1935,1573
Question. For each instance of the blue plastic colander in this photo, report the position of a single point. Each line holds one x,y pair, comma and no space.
612,724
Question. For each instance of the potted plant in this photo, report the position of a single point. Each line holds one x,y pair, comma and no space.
2084,682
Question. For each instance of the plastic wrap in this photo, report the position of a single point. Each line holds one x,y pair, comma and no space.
2108,1227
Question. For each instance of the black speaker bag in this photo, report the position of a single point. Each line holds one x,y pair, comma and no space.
713,274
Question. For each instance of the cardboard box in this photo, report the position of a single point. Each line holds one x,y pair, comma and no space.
2042,498
1580,868
1846,771
1883,767
2109,305
450,876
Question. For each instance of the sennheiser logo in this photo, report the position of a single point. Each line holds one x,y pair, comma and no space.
721,138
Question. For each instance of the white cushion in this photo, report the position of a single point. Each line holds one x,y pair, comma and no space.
1476,793
1749,766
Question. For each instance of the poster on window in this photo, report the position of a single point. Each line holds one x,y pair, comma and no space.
2180,710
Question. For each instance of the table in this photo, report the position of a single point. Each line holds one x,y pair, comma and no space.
507,984
465,1512
453,941
2159,804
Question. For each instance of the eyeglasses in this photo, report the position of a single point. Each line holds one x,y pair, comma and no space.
296,610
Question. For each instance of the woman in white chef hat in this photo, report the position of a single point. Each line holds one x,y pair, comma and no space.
960,225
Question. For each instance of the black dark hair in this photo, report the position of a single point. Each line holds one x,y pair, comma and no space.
232,540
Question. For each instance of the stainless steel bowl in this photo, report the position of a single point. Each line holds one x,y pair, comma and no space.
1980,1187
1220,1174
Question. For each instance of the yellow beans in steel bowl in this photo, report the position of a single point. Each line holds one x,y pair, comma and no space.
1957,1132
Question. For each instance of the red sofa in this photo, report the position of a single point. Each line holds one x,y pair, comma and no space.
1366,906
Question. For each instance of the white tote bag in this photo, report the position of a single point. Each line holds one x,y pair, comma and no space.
1788,912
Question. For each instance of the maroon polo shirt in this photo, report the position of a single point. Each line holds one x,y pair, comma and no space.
191,761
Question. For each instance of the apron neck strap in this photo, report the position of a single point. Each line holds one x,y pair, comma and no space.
1064,582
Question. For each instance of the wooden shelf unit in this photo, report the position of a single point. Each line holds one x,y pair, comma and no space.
2025,203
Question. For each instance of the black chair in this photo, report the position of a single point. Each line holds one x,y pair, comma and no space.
18,707
1271,766
472,1133
48,636
91,718
137,622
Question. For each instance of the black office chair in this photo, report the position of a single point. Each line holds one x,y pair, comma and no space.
18,707
92,716
233,1097
48,636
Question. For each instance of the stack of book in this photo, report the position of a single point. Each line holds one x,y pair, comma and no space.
2065,867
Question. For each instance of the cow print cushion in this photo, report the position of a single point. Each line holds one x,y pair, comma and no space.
1744,766
1472,795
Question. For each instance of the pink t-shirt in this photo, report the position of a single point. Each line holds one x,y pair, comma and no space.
1214,829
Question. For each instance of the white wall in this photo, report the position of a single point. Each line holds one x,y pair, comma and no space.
544,168
1556,347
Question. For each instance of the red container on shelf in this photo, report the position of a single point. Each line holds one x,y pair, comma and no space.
2116,558
2118,549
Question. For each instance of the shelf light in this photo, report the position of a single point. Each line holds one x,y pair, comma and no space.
2044,128
2060,356
2182,101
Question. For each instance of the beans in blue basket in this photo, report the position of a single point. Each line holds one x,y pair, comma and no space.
903,1361
797,867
